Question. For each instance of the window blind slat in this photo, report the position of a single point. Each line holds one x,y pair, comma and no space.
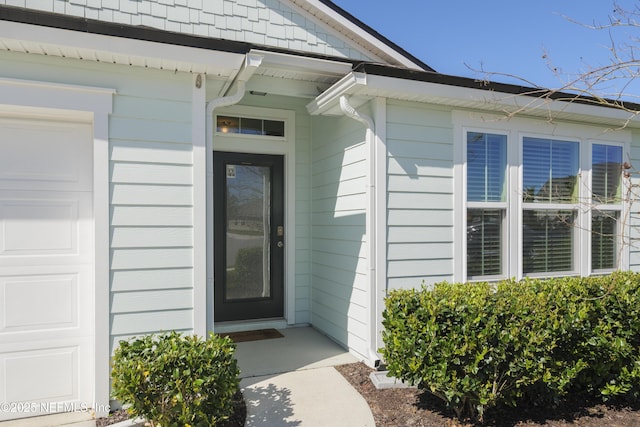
548,240
550,170
484,242
606,179
486,165
604,240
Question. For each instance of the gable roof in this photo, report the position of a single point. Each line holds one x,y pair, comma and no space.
360,33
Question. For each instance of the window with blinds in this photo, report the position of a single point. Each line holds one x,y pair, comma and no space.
539,204
486,203
604,240
550,171
606,184
550,196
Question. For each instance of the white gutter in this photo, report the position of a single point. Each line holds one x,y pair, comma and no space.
370,226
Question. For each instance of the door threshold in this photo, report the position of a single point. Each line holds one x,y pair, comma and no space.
249,325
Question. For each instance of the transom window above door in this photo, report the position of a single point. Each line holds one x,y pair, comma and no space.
538,205
250,126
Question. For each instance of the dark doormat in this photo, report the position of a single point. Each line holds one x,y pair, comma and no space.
257,335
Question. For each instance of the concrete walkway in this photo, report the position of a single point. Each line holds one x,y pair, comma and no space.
286,382
291,382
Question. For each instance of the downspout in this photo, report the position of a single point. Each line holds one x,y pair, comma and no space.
251,63
224,101
370,226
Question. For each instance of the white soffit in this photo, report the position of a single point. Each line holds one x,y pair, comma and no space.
27,38
293,75
297,67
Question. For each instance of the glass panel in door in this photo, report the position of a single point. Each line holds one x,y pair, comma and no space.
248,236
248,225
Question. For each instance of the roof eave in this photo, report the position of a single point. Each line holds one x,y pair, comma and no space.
361,34
374,80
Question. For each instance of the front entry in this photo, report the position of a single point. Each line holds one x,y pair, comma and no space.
248,236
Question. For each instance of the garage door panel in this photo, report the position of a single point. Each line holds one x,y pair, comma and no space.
36,303
42,373
41,155
46,265
39,227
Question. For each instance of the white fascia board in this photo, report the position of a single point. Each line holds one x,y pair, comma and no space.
329,101
392,87
341,21
211,61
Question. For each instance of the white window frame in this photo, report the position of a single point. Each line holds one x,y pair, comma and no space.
516,129
621,207
580,225
503,205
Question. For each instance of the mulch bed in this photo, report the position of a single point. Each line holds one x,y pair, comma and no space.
411,407
408,407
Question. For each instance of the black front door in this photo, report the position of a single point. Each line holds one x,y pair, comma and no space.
248,236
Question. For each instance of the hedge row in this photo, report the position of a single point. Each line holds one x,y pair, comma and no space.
477,345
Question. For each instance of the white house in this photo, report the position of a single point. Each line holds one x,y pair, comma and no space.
222,165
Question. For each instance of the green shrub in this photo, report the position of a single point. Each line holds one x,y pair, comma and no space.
478,345
176,380
611,349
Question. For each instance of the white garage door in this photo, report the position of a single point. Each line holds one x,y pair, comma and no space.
46,266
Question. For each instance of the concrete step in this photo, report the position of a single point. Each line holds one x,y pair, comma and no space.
381,381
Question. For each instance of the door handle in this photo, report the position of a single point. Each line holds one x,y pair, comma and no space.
280,244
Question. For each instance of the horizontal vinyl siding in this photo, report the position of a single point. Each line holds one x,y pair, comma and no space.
339,246
151,212
634,220
419,195
151,187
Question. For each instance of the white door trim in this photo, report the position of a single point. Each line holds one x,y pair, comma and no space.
93,105
262,145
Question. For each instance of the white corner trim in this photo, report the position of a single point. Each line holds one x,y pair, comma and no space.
199,141
380,226
370,226
94,105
